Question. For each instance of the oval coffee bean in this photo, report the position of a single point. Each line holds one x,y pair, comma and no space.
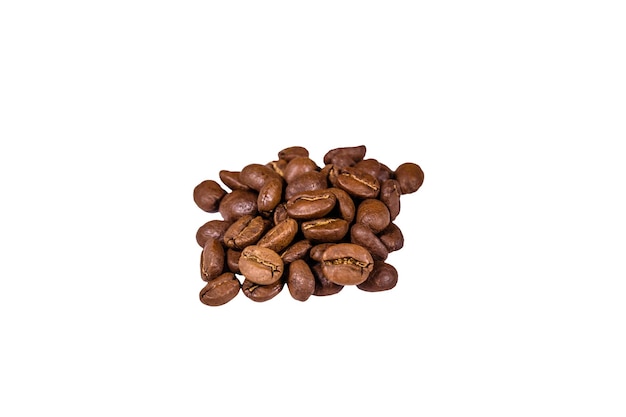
318,250
308,181
214,229
246,231
298,250
383,277
207,195
270,195
280,213
323,286
221,290
298,166
325,230
311,204
410,176
300,280
212,260
232,260
279,236
256,176
363,236
353,153
390,195
347,264
357,183
371,166
278,166
384,173
373,214
261,265
232,181
347,209
261,293
292,152
392,238
237,204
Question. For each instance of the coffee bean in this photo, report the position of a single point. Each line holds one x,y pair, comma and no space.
318,250
383,277
237,204
207,195
295,251
363,236
300,280
232,181
220,290
246,231
261,265
280,213
278,166
279,236
357,183
325,229
292,152
347,264
256,176
353,153
298,166
261,293
410,176
390,195
323,286
392,238
311,204
309,181
373,214
232,260
214,229
211,259
347,209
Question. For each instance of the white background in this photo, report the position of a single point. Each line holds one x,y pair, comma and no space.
511,297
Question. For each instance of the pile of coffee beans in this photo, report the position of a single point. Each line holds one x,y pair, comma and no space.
291,222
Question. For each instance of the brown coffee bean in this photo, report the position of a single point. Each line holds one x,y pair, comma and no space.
300,280
318,250
353,153
384,173
373,214
325,229
392,237
220,290
347,209
280,213
279,236
323,286
298,250
237,204
371,166
383,277
309,181
211,260
213,229
231,180
261,265
410,176
269,196
246,231
232,260
207,195
363,236
357,183
256,176
347,264
298,166
292,152
278,166
311,204
390,195
261,293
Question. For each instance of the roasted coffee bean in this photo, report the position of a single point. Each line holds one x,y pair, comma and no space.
280,213
214,229
298,250
318,250
232,181
270,195
212,260
373,214
309,181
384,173
357,183
311,204
300,280
353,153
383,277
298,166
410,176
392,237
278,166
292,152
260,293
256,176
237,204
363,236
325,229
261,265
347,209
279,236
323,286
390,195
347,264
207,195
232,260
246,231
220,290
371,166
